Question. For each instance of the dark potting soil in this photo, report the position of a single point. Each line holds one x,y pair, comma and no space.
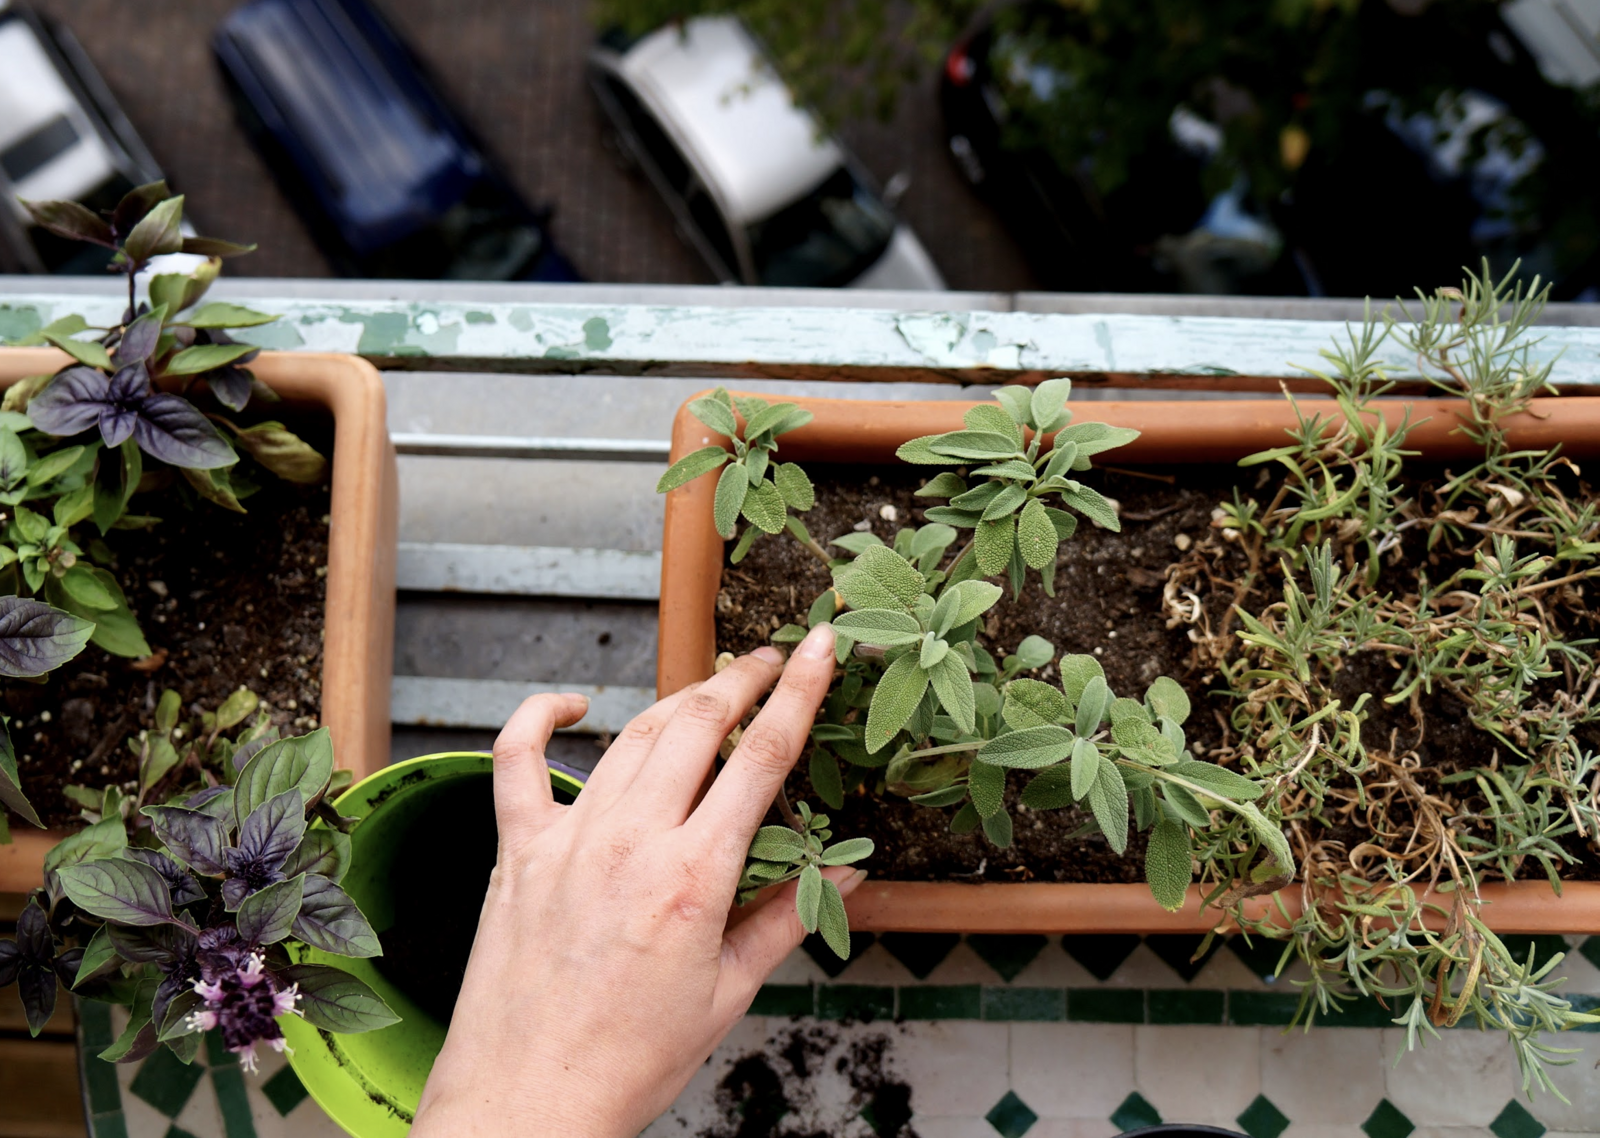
224,599
772,1092
436,913
1108,602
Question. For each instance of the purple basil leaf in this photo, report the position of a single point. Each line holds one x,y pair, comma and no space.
139,340
172,430
72,221
254,747
157,944
174,1017
194,836
330,920
35,638
129,385
334,1000
117,424
66,965
71,402
235,890
266,916
170,989
10,961
211,247
34,939
273,830
231,386
325,852
185,890
37,987
135,204
116,889
143,1046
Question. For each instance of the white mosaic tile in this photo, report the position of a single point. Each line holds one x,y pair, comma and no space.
1226,970
1198,1074
1327,1130
876,965
1579,1081
1071,1070
145,1121
1331,1075
928,1126
1071,1128
305,1121
199,1116
1582,977
1054,968
1143,969
1464,1078
952,1064
963,966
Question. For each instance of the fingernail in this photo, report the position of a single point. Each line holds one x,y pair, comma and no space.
768,653
848,885
818,644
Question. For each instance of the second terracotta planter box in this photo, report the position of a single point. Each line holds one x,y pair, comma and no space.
358,634
852,431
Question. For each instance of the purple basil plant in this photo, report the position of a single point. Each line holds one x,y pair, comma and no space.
195,914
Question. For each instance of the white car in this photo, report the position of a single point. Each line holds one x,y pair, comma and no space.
62,137
755,185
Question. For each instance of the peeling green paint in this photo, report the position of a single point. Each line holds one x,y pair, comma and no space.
381,332
480,318
18,322
596,334
1102,336
557,352
279,336
520,319
983,341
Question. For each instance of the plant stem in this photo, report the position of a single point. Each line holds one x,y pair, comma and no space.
782,803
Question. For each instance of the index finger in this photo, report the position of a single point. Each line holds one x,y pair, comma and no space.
737,801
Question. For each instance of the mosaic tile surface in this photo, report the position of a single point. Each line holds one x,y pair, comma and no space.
940,1036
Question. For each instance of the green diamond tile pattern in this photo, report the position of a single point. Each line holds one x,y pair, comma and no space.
1135,1112
1105,1005
1008,954
1515,1122
1258,954
176,1131
1263,1120
233,1102
785,1000
1036,1004
1011,1116
1590,949
921,953
827,960
1178,951
863,1003
1101,953
112,1125
1386,1121
941,1001
1185,1005
284,1091
165,1082
1262,1009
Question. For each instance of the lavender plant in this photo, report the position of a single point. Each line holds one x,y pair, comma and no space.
192,913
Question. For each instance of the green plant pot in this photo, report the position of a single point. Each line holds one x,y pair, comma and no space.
370,1083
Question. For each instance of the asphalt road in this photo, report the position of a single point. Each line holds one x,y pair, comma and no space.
515,70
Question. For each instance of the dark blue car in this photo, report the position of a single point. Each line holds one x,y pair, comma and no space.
385,173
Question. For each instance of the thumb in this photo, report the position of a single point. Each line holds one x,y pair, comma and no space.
754,947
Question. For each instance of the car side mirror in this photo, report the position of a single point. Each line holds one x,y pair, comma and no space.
895,188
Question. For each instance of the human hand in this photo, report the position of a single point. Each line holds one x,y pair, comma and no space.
606,968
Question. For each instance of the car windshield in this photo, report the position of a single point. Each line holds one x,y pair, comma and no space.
829,237
482,238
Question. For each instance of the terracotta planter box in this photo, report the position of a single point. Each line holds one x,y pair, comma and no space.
358,638
1173,432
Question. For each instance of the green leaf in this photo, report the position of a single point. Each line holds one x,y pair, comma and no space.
11,796
1186,806
84,351
1030,748
930,540
1093,506
986,783
764,507
692,466
1167,698
989,445
1280,859
932,653
948,796
158,233
777,414
49,466
115,629
715,413
1050,789
1036,535
832,920
1049,404
945,484
1086,763
1092,438
1033,703
795,487
214,486
1168,864
808,897
886,628
1093,702
13,459
899,692
162,759
742,546
879,578
847,852
1034,652
87,590
1018,403
965,820
97,954
963,602
755,464
283,452
74,506
826,779
1108,801
1076,672
167,710
221,315
1219,780
205,357
920,451
333,1000
777,843
106,838
732,489
139,1032
949,515
994,543
993,417
997,828
953,686
303,763
1005,503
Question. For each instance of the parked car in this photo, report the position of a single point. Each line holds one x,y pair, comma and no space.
386,174
62,137
1495,165
753,183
